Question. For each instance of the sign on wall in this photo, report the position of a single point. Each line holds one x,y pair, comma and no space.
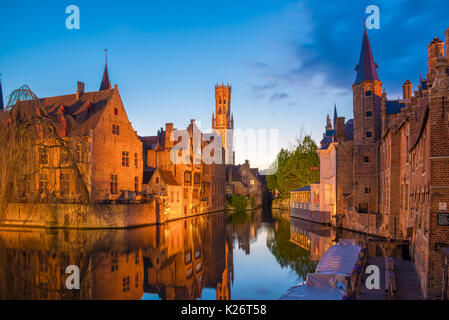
443,219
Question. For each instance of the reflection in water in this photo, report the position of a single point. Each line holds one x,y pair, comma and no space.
217,256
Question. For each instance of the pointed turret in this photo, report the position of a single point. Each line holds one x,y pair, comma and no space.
335,114
328,123
366,69
1,95
105,83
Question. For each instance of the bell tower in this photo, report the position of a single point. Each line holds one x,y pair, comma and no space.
223,120
367,102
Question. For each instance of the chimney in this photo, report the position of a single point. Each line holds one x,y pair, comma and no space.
435,49
79,89
168,132
407,89
340,128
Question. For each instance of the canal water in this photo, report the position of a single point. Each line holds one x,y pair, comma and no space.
256,255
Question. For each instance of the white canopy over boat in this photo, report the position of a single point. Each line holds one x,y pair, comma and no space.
340,259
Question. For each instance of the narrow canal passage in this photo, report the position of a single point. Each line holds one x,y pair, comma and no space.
243,255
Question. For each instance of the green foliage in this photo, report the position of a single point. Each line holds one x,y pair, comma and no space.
240,217
294,167
239,202
288,254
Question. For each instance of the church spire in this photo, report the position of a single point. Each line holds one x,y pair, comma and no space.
2,106
335,114
105,83
366,69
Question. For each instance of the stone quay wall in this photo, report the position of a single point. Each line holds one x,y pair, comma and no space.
91,216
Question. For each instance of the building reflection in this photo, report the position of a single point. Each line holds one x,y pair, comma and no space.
313,237
177,260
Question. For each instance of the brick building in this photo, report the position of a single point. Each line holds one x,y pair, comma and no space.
386,172
92,148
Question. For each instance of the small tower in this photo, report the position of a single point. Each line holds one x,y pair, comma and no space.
435,49
105,83
407,90
223,120
328,123
367,101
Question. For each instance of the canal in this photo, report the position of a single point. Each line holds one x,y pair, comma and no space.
256,255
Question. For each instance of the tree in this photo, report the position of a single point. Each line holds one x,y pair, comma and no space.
294,167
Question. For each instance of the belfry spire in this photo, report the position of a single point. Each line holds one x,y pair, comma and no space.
105,83
366,69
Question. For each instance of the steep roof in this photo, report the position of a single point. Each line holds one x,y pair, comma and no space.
306,188
150,142
168,177
81,114
366,69
105,83
394,106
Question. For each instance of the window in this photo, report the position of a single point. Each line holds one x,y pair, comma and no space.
369,114
188,257
114,184
366,159
126,284
367,190
114,261
251,182
115,112
197,178
363,207
186,193
125,159
116,129
79,153
64,186
25,185
43,155
64,157
136,184
187,178
157,180
368,93
135,160
43,183
224,101
137,280
368,134
79,185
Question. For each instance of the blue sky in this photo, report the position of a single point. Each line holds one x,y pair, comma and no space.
287,61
